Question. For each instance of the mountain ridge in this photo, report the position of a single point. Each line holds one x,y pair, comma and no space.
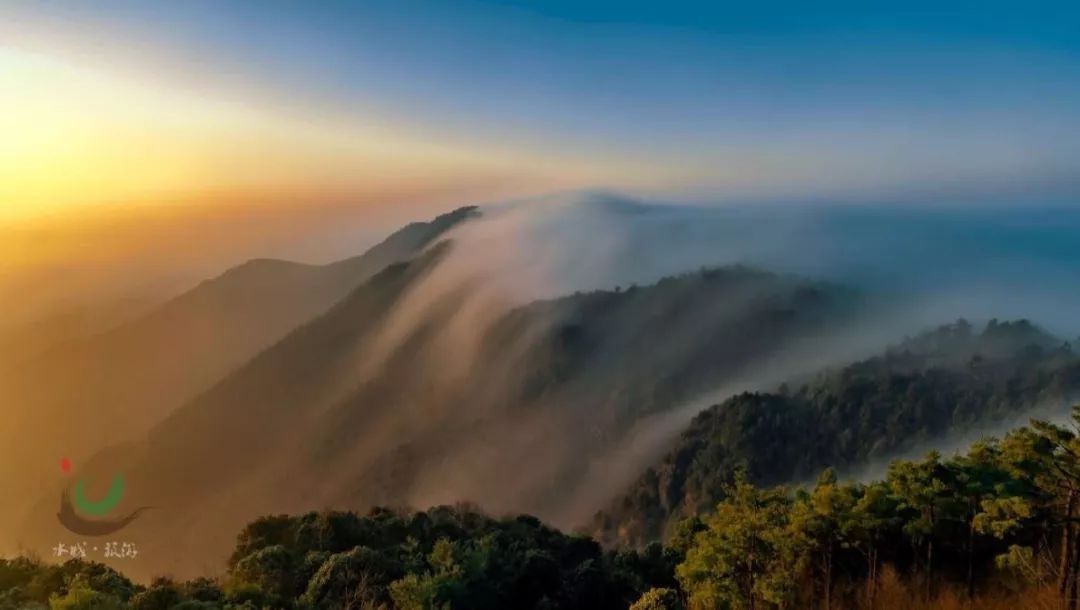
82,395
918,394
334,416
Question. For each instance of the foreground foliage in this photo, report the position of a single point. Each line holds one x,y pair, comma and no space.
998,520
997,523
447,557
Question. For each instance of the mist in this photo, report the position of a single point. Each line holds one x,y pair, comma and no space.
524,251
534,359
970,263
948,260
958,442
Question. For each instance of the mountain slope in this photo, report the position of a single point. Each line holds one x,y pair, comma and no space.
939,389
388,400
86,394
23,342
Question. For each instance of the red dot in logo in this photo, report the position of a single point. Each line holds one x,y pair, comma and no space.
65,465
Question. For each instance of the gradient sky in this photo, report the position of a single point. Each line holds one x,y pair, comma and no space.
113,109
183,101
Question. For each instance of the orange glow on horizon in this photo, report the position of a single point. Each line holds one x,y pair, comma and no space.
77,138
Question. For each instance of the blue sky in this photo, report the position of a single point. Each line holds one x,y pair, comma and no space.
850,100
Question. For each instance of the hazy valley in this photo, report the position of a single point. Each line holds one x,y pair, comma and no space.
497,356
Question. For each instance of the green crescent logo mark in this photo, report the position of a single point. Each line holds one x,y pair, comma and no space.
70,518
104,505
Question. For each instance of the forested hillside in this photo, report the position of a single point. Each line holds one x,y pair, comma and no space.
396,397
954,381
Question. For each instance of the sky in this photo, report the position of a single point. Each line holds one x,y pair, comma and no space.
371,113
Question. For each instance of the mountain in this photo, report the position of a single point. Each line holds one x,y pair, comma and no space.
82,395
26,341
944,388
411,391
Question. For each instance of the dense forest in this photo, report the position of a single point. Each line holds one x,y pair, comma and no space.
955,380
993,527
447,557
